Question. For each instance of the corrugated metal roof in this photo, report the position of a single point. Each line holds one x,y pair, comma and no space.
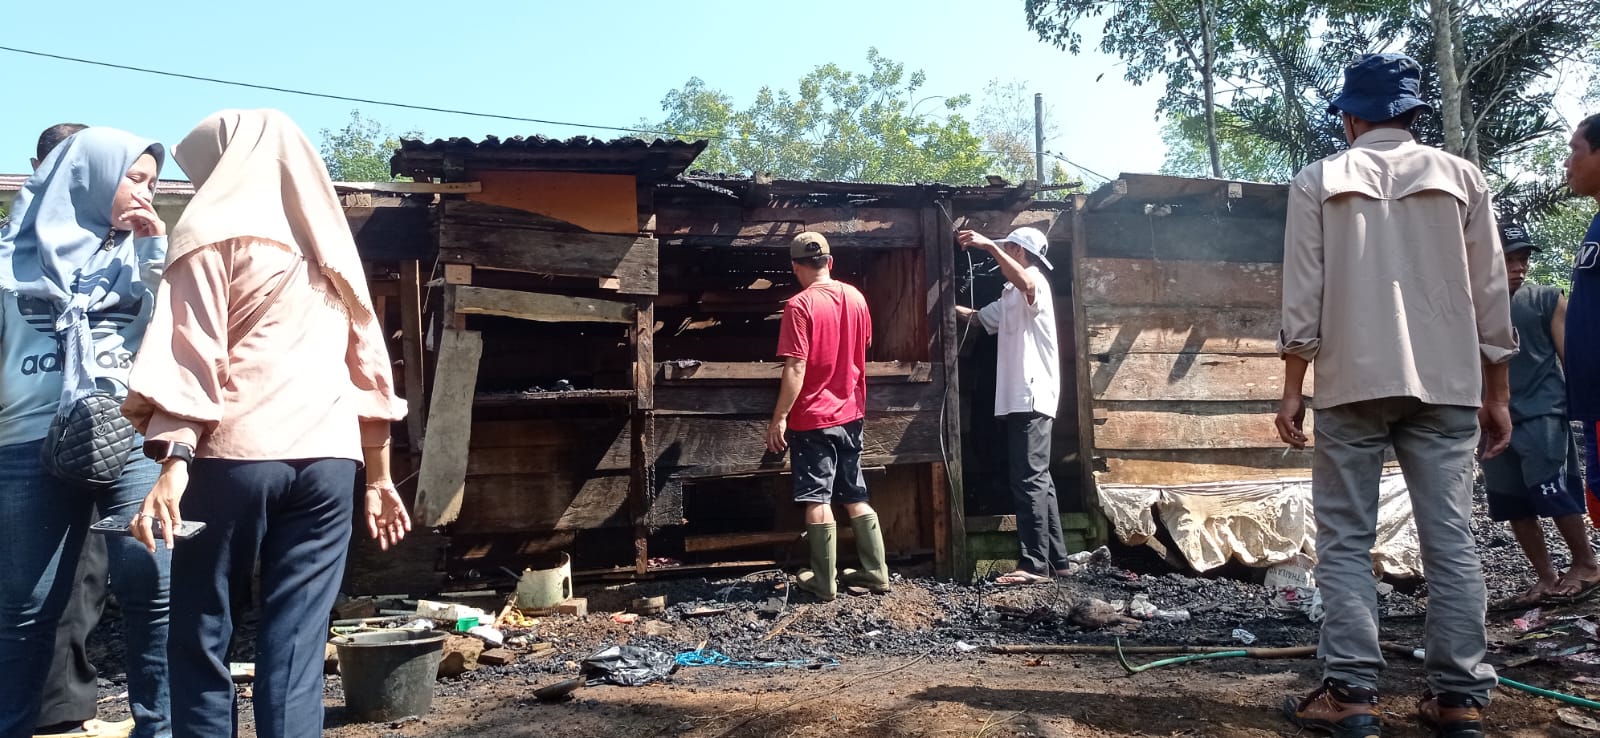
652,160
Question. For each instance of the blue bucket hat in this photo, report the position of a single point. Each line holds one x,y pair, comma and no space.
1378,87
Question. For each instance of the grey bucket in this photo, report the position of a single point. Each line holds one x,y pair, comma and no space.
389,674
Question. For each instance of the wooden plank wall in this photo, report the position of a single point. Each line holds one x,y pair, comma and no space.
1181,325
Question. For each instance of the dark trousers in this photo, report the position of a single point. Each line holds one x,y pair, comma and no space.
1043,546
71,690
294,518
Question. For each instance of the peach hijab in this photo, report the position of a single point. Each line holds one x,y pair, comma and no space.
256,175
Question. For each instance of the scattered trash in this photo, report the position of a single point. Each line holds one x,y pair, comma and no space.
1142,608
559,691
1176,616
1530,620
648,605
1578,719
1588,626
628,666
1304,600
965,647
1295,572
1085,557
242,673
449,612
491,636
626,618
873,634
1244,636
702,657
1098,614
706,612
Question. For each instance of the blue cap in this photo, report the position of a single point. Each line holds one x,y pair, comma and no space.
1378,87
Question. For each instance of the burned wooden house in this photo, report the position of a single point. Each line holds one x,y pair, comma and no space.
587,337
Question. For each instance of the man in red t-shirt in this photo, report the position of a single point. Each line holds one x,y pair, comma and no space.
822,405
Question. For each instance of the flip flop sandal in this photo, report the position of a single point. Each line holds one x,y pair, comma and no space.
1585,591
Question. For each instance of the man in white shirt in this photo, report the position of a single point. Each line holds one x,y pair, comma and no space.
1027,391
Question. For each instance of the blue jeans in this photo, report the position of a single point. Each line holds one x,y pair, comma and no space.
293,518
43,522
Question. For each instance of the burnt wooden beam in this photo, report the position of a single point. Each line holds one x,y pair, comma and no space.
1180,237
909,371
411,352
540,307
441,481
632,260
1159,426
1084,392
562,502
939,242
1186,376
388,231
1154,330
700,398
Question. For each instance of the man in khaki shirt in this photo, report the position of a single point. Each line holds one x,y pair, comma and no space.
1393,283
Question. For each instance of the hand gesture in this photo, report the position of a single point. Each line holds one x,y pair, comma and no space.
1494,418
1291,420
775,440
162,504
973,239
387,519
142,216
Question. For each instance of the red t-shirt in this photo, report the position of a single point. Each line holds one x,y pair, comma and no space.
827,324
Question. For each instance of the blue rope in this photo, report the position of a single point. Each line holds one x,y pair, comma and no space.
717,658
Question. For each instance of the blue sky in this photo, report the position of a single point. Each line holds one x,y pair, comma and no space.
592,62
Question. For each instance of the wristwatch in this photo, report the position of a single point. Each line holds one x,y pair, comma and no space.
163,451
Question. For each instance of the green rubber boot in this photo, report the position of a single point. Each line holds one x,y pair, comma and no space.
819,579
874,571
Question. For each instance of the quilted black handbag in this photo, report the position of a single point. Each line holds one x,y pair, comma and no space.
89,441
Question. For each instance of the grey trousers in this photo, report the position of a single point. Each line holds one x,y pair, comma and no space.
1434,444
1043,547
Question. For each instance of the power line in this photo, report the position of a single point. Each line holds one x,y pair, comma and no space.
454,111
346,98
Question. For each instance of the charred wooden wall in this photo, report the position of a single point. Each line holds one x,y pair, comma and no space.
1181,288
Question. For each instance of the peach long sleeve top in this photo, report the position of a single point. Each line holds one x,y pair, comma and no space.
305,382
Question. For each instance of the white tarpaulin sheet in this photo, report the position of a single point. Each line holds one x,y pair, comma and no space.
1260,523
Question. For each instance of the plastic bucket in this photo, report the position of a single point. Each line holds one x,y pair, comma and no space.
389,674
543,589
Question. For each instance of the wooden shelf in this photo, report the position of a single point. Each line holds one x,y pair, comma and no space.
507,399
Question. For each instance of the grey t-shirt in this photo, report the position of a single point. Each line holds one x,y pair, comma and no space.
1538,385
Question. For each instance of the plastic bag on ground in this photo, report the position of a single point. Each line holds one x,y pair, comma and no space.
628,666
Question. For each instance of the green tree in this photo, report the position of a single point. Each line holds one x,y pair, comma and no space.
1248,156
1179,39
360,151
875,126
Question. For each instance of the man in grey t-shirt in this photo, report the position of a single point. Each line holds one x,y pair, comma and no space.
1538,475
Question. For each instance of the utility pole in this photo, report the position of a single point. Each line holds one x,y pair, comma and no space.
1038,138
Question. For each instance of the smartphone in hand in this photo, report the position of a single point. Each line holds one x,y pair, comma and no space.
117,525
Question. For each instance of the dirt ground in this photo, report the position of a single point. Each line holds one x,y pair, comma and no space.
917,662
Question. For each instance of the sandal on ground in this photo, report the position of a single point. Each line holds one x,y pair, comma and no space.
1522,601
1020,577
1586,589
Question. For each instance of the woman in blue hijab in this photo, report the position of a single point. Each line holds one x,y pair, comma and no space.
79,263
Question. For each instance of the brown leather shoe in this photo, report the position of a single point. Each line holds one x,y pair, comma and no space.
1338,709
1451,715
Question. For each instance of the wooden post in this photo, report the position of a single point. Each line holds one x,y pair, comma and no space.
411,354
441,483
642,465
938,507
1085,389
939,247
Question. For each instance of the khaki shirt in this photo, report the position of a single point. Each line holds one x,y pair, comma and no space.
1393,280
